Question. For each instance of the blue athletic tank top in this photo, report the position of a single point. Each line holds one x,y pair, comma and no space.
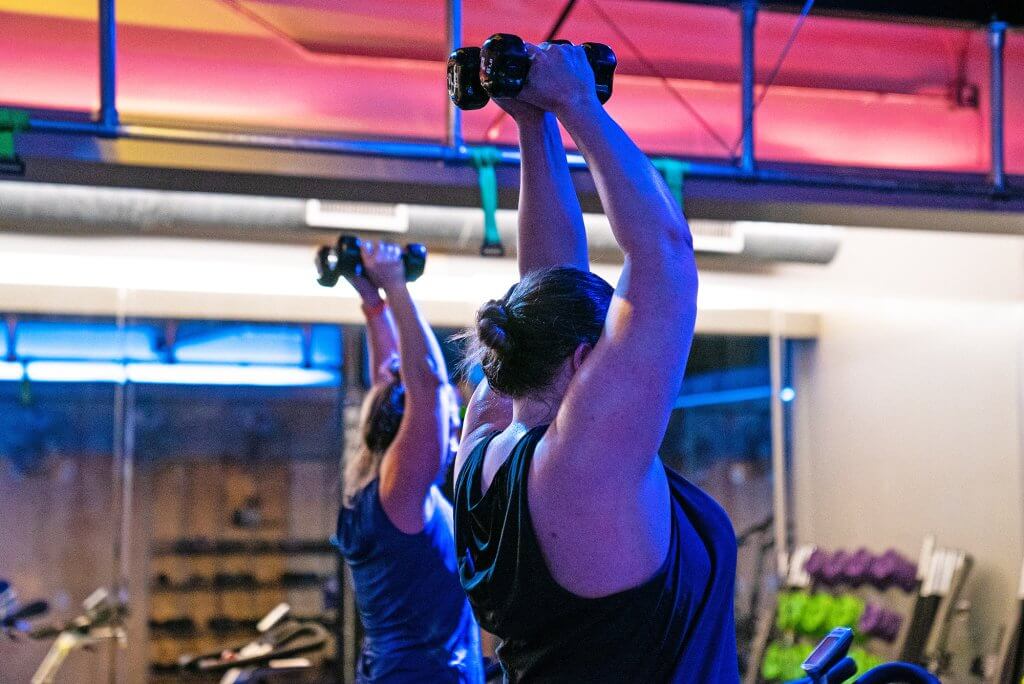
676,627
419,626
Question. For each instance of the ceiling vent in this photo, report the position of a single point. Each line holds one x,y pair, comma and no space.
339,215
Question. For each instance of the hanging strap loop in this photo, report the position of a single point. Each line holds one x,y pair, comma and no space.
484,160
674,172
11,122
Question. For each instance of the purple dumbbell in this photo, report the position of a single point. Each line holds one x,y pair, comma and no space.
815,563
832,573
881,623
892,569
855,572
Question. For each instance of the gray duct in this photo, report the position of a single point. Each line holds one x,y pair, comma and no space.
87,210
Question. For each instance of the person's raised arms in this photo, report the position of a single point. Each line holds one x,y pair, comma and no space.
415,458
551,231
633,374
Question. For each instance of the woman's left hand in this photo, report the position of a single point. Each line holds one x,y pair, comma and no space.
383,263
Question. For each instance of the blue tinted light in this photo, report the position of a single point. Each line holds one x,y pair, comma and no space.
65,340
325,345
169,374
787,394
223,374
239,343
731,396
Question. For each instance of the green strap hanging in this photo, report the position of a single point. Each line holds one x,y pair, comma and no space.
673,171
484,159
11,121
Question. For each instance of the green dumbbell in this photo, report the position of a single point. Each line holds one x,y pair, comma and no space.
794,661
814,618
791,607
771,665
783,611
846,611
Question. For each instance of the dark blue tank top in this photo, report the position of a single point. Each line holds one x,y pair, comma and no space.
419,626
676,627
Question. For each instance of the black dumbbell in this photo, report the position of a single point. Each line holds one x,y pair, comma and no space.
503,65
345,259
603,61
464,87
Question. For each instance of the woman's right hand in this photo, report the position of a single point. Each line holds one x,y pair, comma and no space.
560,78
383,263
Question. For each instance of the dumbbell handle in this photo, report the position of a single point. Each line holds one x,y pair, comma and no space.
471,90
346,259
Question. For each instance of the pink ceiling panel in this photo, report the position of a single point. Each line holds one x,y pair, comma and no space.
684,41
850,93
49,63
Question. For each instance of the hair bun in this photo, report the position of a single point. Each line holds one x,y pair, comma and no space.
492,327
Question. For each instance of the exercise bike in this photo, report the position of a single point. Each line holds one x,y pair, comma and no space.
278,649
830,664
15,617
103,620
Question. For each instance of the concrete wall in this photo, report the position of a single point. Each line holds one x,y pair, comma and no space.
907,419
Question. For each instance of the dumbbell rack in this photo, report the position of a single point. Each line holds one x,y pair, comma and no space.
915,617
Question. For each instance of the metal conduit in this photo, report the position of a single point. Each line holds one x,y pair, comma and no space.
86,210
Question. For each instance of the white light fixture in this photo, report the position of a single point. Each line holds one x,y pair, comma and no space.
11,370
227,374
75,371
339,215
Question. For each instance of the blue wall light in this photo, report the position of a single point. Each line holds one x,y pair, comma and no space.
205,352
169,374
228,374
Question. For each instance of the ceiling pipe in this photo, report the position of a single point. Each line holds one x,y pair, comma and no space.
89,210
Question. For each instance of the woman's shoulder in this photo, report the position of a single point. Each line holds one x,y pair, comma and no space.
470,456
358,513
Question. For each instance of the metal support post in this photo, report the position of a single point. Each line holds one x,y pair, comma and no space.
748,16
997,43
454,137
108,67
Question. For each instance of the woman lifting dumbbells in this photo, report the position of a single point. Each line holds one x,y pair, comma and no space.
577,547
395,528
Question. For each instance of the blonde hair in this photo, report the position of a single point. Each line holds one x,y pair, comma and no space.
362,464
